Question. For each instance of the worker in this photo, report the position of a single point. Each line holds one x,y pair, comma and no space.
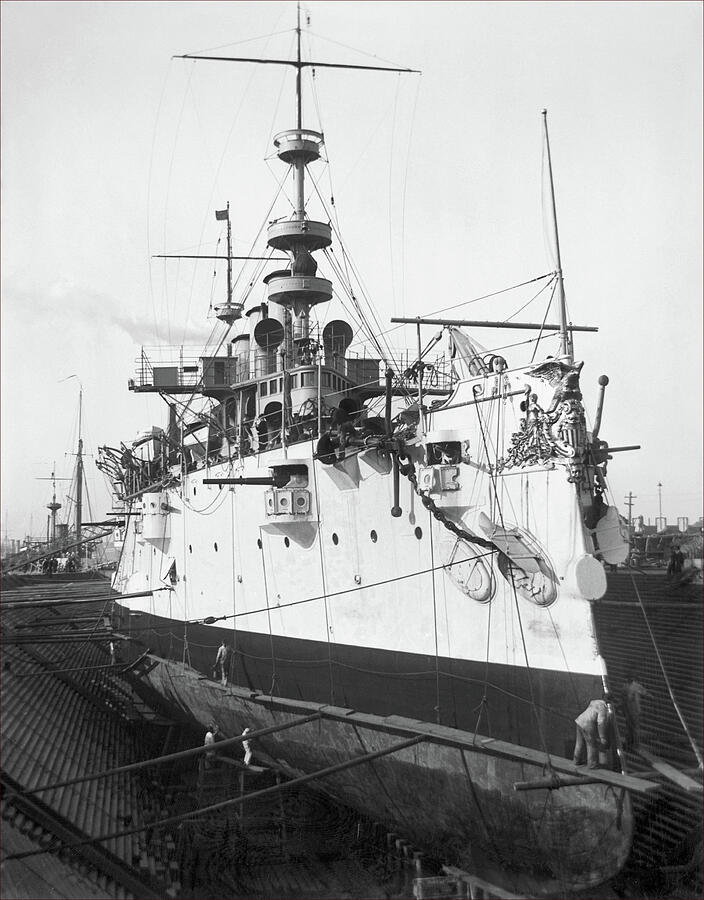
633,693
247,747
592,732
220,659
676,563
209,741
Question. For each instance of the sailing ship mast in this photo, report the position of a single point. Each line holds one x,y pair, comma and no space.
53,507
79,467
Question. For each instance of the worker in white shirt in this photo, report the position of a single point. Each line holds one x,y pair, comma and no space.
247,747
210,742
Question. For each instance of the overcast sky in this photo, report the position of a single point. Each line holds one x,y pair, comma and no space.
113,151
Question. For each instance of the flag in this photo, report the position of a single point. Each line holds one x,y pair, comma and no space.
221,215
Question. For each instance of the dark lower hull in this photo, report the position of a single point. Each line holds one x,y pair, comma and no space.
451,794
530,707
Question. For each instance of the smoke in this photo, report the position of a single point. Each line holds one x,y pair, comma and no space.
99,312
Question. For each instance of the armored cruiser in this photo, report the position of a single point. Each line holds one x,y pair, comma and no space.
399,550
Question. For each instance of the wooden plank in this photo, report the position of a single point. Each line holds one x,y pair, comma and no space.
671,773
437,887
527,754
444,735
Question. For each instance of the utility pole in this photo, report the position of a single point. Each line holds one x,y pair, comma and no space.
629,503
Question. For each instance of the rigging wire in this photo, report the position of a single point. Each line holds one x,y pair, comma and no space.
149,195
353,590
520,309
346,280
261,37
391,173
268,614
545,318
166,198
513,287
675,704
324,585
435,621
354,49
405,191
492,480
283,82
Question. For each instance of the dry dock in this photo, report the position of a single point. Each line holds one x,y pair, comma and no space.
78,724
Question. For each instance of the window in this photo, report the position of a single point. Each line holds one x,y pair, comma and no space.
373,536
263,388
418,532
272,386
335,539
294,381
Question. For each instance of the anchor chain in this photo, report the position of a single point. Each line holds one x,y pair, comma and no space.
409,470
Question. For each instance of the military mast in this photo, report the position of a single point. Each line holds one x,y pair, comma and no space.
298,289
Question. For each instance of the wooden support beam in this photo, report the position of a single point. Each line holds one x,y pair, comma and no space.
451,737
552,784
671,773
606,776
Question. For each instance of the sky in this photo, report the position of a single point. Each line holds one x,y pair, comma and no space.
112,150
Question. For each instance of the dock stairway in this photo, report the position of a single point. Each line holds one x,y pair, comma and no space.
652,629
58,682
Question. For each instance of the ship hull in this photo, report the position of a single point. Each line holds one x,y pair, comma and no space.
533,707
449,794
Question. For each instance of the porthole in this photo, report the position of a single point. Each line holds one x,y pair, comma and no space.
373,536
215,546
259,543
335,539
190,549
154,551
287,542
418,532
194,490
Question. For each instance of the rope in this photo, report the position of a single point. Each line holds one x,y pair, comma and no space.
268,616
695,748
322,577
435,626
492,479
545,318
520,309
